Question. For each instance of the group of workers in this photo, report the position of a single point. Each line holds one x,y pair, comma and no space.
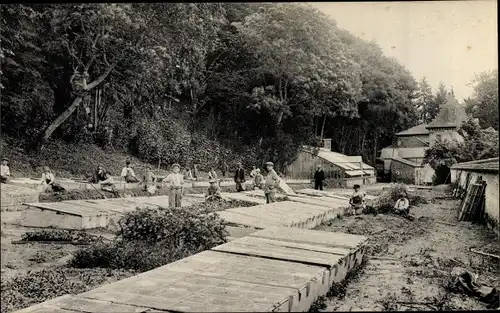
357,203
175,183
47,183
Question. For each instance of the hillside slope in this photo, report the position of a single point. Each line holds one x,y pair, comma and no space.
68,160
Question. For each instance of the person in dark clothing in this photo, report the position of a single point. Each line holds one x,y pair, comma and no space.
99,175
319,177
239,178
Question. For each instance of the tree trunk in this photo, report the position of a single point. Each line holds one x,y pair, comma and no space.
278,120
60,119
323,127
375,147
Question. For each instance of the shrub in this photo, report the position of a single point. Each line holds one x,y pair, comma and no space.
59,235
189,228
150,238
386,200
38,286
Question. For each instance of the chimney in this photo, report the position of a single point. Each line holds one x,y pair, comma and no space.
327,144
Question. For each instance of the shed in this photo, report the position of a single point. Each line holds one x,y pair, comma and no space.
487,169
344,170
408,172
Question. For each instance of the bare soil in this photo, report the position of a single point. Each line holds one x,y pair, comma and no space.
411,261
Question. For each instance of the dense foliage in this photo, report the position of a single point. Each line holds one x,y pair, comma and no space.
38,286
199,82
73,236
484,103
149,238
477,144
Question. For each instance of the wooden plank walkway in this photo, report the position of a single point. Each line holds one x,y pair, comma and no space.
295,268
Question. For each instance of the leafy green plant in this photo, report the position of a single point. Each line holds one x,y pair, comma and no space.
60,235
189,228
38,286
149,238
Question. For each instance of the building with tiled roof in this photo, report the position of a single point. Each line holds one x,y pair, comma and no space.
342,170
409,148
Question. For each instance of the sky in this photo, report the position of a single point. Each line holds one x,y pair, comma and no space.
448,41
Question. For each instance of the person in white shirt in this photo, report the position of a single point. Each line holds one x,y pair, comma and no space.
175,182
252,174
4,171
212,175
402,205
128,174
357,201
48,181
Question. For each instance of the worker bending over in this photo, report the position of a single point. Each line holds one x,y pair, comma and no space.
108,184
213,192
99,174
128,174
272,182
357,201
4,171
48,181
175,182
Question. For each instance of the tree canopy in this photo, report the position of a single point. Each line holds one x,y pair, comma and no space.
198,82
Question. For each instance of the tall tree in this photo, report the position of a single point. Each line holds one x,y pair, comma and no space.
439,99
426,105
484,102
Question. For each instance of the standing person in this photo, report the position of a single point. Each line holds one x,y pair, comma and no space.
48,181
258,181
225,169
212,175
4,171
272,181
239,178
149,180
357,200
175,182
195,173
319,177
128,174
253,173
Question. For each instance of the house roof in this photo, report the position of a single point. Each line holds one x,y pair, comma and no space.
451,114
416,130
407,162
347,163
486,165
404,153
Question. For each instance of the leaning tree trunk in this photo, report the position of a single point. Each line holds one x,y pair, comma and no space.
61,118
323,127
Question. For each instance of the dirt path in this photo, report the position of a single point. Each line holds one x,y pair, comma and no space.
413,260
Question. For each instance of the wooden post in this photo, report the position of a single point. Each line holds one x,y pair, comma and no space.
361,167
